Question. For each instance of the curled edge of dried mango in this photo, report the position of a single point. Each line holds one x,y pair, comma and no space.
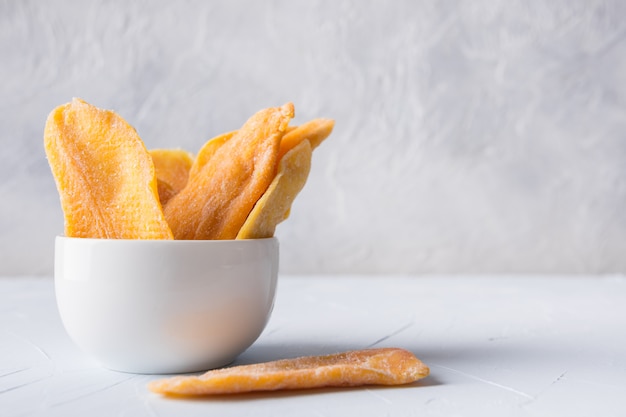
383,366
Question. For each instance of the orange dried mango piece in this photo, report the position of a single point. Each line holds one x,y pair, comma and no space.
208,150
212,145
386,366
104,174
165,191
315,131
172,171
216,201
273,207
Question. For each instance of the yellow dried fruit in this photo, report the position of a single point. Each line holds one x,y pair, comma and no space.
208,150
386,366
217,200
104,174
212,145
273,207
172,171
315,131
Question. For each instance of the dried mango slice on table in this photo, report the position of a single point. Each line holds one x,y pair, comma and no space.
217,200
273,207
172,171
104,174
386,366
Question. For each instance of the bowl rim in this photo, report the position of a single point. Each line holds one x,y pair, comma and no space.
169,241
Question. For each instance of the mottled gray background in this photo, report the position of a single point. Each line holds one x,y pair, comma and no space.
471,137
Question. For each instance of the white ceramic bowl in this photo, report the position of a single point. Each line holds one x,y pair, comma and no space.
159,306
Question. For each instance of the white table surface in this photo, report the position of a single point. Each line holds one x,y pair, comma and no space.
496,346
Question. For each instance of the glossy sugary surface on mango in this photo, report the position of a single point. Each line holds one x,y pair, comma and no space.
386,366
208,150
217,200
273,207
104,174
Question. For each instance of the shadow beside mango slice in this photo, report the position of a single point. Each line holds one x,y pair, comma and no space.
172,171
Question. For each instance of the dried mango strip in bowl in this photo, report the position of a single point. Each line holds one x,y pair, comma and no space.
273,207
172,171
208,150
385,366
104,174
294,166
217,200
315,131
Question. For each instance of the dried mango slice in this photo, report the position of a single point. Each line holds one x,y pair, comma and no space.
217,200
104,175
212,145
165,191
315,131
386,366
172,171
273,207
208,150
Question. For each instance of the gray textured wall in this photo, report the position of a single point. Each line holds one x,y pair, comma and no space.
478,136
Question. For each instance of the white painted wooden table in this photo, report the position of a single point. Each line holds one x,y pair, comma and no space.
496,346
